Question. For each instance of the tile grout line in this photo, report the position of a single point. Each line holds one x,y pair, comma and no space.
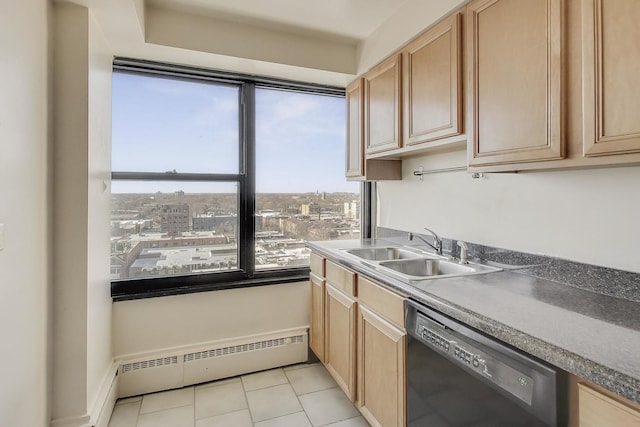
139,408
298,398
246,400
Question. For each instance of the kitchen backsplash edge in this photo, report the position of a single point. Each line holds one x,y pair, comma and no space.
603,280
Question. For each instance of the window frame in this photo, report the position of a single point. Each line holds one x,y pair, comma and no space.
246,274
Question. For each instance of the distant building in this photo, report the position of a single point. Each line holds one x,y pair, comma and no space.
175,219
310,209
210,222
351,210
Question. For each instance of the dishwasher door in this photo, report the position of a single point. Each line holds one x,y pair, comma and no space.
459,377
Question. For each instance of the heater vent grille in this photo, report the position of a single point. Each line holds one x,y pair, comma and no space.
154,363
199,355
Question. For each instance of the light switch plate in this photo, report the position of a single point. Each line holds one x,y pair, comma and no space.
1,237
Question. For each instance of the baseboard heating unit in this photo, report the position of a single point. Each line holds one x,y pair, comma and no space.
211,361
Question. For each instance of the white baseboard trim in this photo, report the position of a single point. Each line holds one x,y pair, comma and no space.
78,421
106,399
101,407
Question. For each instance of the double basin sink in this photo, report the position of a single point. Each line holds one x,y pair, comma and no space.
413,265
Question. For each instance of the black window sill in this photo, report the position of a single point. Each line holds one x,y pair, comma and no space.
126,290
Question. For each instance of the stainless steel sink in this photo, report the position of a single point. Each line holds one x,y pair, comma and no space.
425,268
382,254
410,265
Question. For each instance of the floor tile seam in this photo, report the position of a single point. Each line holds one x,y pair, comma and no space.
266,370
165,409
212,384
139,409
121,400
246,401
194,407
343,420
301,405
193,398
317,391
272,385
282,416
297,366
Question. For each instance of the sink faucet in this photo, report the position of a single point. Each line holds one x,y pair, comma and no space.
437,241
463,252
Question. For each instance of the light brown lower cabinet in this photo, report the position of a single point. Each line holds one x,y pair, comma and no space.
381,370
596,409
316,312
340,338
357,331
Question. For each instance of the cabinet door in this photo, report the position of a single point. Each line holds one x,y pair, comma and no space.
597,409
316,264
316,312
515,97
611,66
355,136
432,84
381,370
382,106
340,338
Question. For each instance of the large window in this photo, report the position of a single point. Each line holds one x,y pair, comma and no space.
220,180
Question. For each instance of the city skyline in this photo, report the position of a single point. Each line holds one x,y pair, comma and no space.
160,234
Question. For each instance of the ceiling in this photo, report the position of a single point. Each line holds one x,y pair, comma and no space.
350,19
319,41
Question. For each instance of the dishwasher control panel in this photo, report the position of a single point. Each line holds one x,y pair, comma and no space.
472,358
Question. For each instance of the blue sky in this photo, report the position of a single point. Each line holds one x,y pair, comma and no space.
163,124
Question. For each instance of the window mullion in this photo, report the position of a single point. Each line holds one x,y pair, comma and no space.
246,244
173,176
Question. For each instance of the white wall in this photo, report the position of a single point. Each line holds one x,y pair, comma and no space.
24,211
590,216
99,353
82,305
70,211
157,324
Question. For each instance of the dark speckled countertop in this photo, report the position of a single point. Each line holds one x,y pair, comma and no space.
595,336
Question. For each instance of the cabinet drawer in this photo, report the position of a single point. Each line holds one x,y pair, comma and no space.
597,409
316,262
384,302
341,278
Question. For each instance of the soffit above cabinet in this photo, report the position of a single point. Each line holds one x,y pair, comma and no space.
332,39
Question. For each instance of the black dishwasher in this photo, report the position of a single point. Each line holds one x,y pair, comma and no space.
457,376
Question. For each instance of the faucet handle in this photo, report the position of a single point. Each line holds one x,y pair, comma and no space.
463,252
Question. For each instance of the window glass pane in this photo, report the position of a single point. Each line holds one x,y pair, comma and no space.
301,190
167,228
161,124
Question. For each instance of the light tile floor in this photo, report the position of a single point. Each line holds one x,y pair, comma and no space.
301,395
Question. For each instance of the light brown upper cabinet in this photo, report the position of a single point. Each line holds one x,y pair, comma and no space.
432,81
514,60
382,100
355,134
611,66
